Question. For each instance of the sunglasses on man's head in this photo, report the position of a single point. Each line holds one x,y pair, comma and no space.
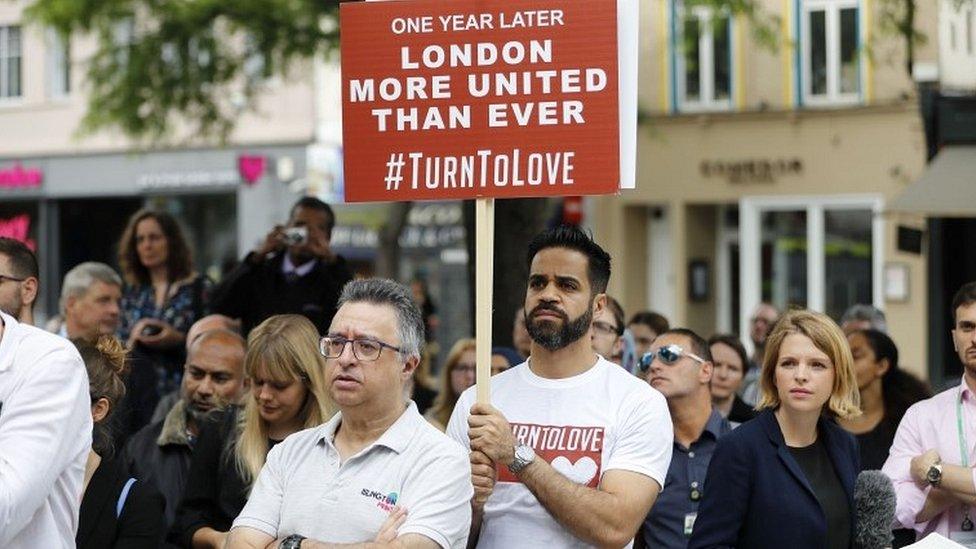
669,354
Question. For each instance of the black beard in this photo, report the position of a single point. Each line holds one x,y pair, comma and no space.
548,336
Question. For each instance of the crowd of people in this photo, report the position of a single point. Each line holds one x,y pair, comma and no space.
291,405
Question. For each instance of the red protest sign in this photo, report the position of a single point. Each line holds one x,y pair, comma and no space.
470,98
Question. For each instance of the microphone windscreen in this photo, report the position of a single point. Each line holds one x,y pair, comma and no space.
874,502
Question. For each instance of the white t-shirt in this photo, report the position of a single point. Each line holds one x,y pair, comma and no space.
304,489
45,437
584,426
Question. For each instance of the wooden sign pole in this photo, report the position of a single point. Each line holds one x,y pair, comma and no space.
484,274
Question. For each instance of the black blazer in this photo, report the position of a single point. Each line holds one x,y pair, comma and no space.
139,526
756,495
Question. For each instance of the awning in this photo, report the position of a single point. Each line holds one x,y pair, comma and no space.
946,189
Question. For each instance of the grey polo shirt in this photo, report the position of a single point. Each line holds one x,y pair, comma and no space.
304,489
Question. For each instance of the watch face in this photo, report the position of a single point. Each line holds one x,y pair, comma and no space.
524,452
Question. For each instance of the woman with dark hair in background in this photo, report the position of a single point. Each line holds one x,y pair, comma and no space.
289,393
886,391
164,296
117,511
731,363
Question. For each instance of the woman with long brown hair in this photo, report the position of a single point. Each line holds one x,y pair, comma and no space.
288,393
163,295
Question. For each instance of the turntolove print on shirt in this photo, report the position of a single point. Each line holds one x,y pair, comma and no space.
576,452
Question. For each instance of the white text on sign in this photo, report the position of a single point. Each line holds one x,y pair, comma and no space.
482,169
461,22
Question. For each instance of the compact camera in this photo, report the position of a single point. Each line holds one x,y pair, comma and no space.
294,236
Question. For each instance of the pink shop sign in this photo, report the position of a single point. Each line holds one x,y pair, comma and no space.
17,176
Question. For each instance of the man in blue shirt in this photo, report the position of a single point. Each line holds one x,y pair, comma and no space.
679,365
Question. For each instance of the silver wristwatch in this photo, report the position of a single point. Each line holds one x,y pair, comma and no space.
293,541
524,455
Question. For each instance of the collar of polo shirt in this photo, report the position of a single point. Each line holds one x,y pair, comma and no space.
395,438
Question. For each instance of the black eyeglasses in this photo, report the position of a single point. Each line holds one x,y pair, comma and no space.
669,354
11,278
607,328
364,349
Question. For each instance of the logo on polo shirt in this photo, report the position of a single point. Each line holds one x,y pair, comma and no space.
385,502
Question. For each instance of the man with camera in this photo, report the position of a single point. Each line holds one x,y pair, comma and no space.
293,271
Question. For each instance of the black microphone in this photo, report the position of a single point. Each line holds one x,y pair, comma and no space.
874,505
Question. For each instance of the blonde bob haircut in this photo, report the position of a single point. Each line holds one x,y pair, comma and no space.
446,397
845,400
284,348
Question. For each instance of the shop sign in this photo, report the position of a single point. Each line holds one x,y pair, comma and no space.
752,170
188,179
468,99
18,228
18,177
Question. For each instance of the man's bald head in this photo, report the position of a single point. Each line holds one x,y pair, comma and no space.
208,323
214,371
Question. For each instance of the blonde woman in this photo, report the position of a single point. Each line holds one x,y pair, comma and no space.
288,393
457,375
786,479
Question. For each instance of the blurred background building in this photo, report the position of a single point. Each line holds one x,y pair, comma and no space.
766,174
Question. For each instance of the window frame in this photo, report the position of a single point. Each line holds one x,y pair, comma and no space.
57,64
5,57
706,60
832,10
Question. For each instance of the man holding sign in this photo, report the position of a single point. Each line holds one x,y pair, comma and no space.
580,447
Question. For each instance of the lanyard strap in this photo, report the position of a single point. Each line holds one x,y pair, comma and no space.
963,446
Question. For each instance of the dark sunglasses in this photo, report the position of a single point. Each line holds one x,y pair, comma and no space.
669,354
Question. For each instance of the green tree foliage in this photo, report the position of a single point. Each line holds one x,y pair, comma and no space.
198,61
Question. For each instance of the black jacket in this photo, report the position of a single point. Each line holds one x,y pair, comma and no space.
160,455
256,290
757,496
215,492
141,523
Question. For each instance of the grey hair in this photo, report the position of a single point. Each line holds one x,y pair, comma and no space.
82,276
869,313
382,291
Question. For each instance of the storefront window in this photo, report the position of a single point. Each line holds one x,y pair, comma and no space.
784,258
19,220
848,259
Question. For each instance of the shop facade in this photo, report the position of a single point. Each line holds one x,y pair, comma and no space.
783,207
73,208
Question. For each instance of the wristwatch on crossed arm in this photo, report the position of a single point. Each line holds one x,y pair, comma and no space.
293,541
934,475
524,455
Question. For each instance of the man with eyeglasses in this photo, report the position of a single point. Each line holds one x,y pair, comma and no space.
679,365
579,445
18,280
608,327
377,471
